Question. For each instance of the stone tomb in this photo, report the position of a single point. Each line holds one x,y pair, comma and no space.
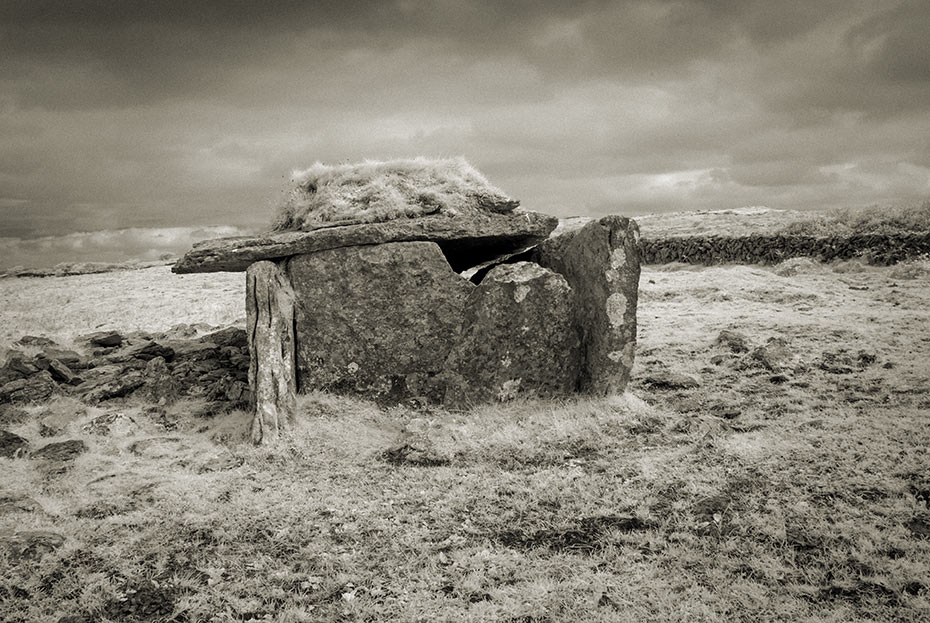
393,321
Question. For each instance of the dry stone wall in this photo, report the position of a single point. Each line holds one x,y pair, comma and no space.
376,320
879,249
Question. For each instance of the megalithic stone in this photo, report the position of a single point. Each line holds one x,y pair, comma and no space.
518,339
270,326
601,262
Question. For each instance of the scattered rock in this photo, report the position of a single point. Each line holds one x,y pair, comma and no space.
150,350
106,339
33,545
22,365
68,357
33,340
377,321
11,444
415,447
159,385
36,388
518,338
62,373
230,336
115,387
18,504
113,424
61,450
919,527
773,356
671,380
733,341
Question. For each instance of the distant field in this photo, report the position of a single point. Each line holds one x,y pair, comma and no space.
151,299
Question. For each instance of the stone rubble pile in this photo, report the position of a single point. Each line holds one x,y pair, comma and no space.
157,367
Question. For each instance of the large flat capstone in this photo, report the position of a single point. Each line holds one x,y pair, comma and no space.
376,321
466,240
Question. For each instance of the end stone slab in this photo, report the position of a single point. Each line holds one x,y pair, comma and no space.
465,240
601,262
518,339
270,329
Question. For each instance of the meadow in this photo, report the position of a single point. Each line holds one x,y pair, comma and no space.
768,463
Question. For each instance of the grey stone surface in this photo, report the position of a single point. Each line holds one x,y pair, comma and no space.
12,444
377,320
518,339
270,332
36,388
601,261
466,240
61,450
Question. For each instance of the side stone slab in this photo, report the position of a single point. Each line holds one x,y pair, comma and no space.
518,339
269,310
601,262
376,321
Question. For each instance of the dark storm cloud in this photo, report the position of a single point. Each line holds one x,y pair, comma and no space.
129,113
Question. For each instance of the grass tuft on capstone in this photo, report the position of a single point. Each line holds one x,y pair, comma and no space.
374,191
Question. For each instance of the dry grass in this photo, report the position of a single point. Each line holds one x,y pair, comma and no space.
372,191
884,219
152,299
758,496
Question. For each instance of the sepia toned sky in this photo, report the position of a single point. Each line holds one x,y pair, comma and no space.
160,114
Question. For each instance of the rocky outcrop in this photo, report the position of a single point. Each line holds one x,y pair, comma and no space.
269,304
601,263
376,321
518,338
466,240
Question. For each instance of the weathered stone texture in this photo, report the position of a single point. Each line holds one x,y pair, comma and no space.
601,262
270,329
376,320
518,339
466,240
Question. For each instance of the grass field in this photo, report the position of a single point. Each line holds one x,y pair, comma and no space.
791,485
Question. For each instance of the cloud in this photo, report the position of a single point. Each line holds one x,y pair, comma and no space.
106,246
161,114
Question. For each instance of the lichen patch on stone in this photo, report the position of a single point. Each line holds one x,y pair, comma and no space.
617,258
616,309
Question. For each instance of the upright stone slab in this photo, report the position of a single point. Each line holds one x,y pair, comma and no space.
376,320
270,327
518,339
601,262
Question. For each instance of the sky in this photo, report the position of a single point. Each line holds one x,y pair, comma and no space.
167,114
